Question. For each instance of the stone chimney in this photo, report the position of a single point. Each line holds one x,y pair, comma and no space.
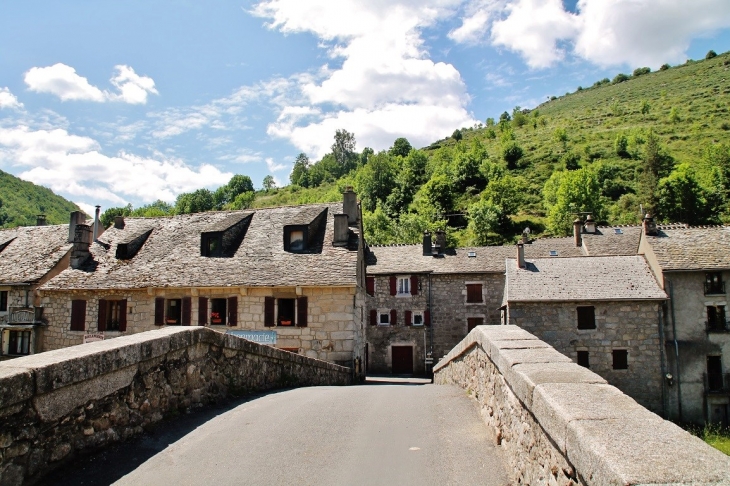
650,228
342,230
97,223
81,242
590,225
119,222
521,256
77,217
577,228
526,236
40,220
427,250
349,205
440,241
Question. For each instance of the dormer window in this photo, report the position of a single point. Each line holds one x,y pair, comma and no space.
212,245
296,240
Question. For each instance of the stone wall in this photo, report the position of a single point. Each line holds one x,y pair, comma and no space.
562,424
631,326
57,405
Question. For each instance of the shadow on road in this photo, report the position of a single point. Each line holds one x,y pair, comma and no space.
396,380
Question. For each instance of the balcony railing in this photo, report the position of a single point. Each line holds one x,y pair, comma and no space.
717,326
23,315
717,382
714,288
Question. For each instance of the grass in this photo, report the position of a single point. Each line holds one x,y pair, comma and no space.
714,435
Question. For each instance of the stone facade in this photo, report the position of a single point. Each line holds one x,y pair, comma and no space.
561,424
76,400
631,326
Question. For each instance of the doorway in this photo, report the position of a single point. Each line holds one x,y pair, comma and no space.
402,360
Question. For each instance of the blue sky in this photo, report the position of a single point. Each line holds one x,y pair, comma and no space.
127,102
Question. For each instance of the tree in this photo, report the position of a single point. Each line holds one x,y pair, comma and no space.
664,67
674,115
568,192
194,202
269,183
155,209
376,180
710,54
367,152
512,153
484,219
439,193
560,135
400,148
504,117
507,192
621,146
238,185
466,171
645,107
456,135
107,217
243,200
299,172
682,198
344,151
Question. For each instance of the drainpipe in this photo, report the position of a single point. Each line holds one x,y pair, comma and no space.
676,348
662,351
430,327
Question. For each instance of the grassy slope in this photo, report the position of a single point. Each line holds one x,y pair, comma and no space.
23,201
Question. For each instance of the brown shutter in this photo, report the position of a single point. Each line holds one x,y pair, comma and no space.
269,311
159,311
302,312
101,319
232,311
123,315
414,284
393,285
373,317
393,317
408,318
370,284
187,306
202,311
78,315
426,318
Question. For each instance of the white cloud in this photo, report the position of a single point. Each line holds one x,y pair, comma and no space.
273,166
8,100
62,81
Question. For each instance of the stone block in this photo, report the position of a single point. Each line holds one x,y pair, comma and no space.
505,359
523,378
16,385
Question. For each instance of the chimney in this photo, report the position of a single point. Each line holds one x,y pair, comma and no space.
81,242
119,222
526,235
427,250
349,205
440,241
342,230
649,225
96,222
590,226
77,217
521,256
40,220
577,228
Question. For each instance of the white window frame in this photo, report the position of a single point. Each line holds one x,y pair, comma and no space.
403,286
413,318
380,314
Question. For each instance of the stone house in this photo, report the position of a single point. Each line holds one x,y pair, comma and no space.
293,276
29,256
603,312
692,265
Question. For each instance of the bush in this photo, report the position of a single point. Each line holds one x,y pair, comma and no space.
621,145
456,135
511,154
620,78
641,71
710,54
664,67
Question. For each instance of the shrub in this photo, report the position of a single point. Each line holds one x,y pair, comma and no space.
456,135
511,154
620,78
674,115
710,54
641,71
664,67
621,145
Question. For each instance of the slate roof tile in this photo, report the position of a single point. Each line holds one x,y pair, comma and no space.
608,242
31,252
692,248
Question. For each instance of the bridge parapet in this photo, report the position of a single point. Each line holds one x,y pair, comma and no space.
560,423
58,404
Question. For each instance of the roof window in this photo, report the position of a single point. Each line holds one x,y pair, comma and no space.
222,239
472,254
553,252
618,231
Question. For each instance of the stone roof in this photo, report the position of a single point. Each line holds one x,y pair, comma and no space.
692,248
608,241
577,279
171,255
29,253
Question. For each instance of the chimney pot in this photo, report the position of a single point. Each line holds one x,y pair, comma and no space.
577,228
427,250
349,205
521,256
77,217
81,242
342,230
96,222
590,226
119,222
41,220
441,241
650,228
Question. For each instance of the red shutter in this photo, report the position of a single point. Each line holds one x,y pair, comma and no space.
202,311
373,317
187,306
159,311
269,311
232,311
370,285
414,284
302,312
426,318
78,315
393,317
408,318
101,319
393,285
123,315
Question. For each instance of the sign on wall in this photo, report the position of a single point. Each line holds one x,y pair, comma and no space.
93,337
261,337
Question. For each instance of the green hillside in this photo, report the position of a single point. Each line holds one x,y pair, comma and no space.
23,201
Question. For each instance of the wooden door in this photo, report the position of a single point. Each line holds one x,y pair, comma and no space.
402,360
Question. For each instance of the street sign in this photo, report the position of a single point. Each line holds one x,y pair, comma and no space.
261,337
93,337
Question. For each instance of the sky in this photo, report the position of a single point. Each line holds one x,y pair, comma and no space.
115,103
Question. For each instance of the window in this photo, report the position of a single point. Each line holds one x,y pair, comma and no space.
620,359
173,312
212,245
472,254
112,315
714,373
474,294
404,286
218,311
19,342
583,359
417,318
296,240
586,317
78,315
617,231
370,285
716,318
472,322
285,312
553,252
3,300
714,283
384,319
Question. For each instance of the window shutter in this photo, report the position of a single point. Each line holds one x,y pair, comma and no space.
409,320
426,318
187,305
393,285
269,311
232,311
302,312
393,317
159,311
101,319
78,315
414,284
123,315
373,317
202,311
370,284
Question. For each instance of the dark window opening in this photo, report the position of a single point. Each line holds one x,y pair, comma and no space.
113,314
714,283
384,319
472,322
474,293
583,359
3,300
417,318
19,342
296,240
620,359
286,312
173,316
714,373
217,311
716,318
212,246
586,317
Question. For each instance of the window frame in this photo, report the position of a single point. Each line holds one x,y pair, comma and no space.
110,325
581,318
4,298
168,305
382,313
417,313
403,286
481,292
714,283
27,347
216,238
288,230
278,312
214,302
719,322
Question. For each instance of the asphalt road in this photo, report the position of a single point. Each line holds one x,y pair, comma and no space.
377,434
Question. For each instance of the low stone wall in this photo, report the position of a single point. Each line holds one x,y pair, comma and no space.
560,423
58,404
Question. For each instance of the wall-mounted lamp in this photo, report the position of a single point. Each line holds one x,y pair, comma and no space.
669,378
